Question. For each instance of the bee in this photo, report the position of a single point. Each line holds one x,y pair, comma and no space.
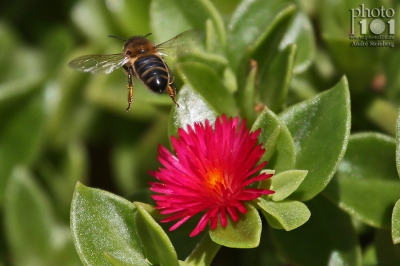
140,58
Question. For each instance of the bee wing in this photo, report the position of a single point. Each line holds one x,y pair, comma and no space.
180,42
98,63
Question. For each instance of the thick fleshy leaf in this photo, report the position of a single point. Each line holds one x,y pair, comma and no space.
370,156
301,33
89,17
183,15
320,128
245,97
250,23
21,136
28,213
369,256
68,116
103,222
22,70
204,252
265,51
62,182
366,184
274,84
192,108
383,113
114,261
209,85
329,235
156,244
271,143
49,243
245,233
396,223
391,75
398,144
128,14
284,154
286,215
216,63
285,183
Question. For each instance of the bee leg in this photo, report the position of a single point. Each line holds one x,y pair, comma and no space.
172,92
130,87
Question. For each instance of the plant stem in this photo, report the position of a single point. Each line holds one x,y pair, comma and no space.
204,252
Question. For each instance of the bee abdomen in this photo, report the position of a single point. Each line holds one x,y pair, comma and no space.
152,71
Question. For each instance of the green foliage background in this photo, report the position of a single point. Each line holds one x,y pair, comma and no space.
59,126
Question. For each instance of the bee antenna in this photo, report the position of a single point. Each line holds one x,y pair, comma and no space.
116,37
147,34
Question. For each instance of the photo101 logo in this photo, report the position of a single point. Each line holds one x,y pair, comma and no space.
372,27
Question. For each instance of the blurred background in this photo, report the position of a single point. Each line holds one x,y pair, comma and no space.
59,126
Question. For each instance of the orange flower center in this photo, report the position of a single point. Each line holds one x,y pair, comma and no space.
215,180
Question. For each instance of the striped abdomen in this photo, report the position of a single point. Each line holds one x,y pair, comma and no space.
153,72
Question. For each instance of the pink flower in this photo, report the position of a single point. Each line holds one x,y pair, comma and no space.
210,173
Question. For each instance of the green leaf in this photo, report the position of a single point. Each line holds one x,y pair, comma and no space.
29,220
284,155
114,261
62,181
103,222
132,16
21,136
28,213
398,144
192,108
183,15
245,233
204,252
391,75
320,128
383,113
274,84
301,33
369,256
286,215
245,97
209,85
68,115
366,184
156,244
248,25
264,51
22,76
329,235
90,17
286,183
396,223
358,162
216,63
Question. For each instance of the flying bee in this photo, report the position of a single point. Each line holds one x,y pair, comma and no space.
142,59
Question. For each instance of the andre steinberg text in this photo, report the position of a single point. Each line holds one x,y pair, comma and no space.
372,41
